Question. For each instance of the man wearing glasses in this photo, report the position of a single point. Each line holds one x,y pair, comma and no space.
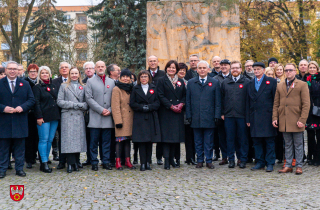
233,112
260,97
290,113
64,69
192,72
89,71
114,72
249,70
16,99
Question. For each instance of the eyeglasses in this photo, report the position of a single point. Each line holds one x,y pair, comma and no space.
289,70
32,72
88,68
11,69
248,66
193,61
63,67
235,68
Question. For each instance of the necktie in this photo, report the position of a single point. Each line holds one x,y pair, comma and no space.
235,79
64,80
153,73
12,86
202,81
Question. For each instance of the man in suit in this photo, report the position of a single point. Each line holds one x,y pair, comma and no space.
89,73
16,99
192,72
203,111
290,112
303,68
248,73
215,62
114,71
98,97
64,69
233,94
156,73
260,97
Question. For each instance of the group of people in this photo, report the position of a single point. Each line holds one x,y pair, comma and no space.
259,113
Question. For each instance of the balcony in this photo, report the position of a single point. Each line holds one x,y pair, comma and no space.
80,27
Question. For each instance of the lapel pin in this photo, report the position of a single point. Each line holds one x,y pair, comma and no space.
268,82
21,84
80,87
151,91
210,84
48,89
108,86
240,86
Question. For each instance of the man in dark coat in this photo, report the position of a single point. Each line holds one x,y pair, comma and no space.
303,68
192,72
64,69
89,73
215,62
16,99
203,109
156,73
260,97
221,142
233,96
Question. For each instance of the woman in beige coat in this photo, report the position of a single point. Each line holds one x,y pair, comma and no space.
123,117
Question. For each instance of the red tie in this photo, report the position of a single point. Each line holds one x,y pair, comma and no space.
153,73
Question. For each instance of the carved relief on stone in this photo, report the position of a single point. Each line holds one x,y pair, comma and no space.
177,29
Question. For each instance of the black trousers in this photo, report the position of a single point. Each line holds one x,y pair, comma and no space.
169,149
62,156
18,151
88,143
72,158
55,144
177,152
250,141
135,149
112,147
31,142
216,143
145,152
313,145
279,146
189,143
159,151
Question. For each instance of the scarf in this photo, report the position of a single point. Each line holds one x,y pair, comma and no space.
173,80
125,86
46,81
289,83
250,74
103,78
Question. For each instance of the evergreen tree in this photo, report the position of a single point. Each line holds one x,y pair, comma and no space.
50,33
121,26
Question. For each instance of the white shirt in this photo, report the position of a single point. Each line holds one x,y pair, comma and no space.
14,83
225,75
153,71
238,77
145,88
205,79
63,78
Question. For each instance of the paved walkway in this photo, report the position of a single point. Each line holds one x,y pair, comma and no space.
184,188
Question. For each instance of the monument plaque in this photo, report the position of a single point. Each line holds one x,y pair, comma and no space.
177,29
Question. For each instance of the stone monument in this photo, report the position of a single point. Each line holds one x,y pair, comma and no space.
177,29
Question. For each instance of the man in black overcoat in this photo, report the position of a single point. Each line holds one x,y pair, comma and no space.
260,97
16,99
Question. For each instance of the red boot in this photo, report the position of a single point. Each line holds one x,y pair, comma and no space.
128,163
118,164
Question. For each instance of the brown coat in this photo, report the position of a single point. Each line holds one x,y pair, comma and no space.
121,112
292,106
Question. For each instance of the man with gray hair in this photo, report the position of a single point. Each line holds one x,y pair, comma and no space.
88,68
64,69
303,68
216,66
248,73
21,71
16,99
192,72
203,112
114,71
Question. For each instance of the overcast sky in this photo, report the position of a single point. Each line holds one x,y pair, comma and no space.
76,2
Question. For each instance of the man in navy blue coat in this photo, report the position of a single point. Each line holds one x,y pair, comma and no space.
203,109
260,96
16,98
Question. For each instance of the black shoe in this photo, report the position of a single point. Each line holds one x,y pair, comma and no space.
69,168
80,165
166,164
142,167
159,162
215,158
55,157
113,165
231,164
135,162
311,162
210,165
148,166
280,161
172,163
242,165
10,166
107,166
87,163
45,168
178,163
250,160
61,166
33,162
95,167
2,174
316,163
192,161
76,167
29,165
21,173
49,162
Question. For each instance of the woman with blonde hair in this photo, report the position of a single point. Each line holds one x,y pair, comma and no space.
279,73
71,99
269,72
47,114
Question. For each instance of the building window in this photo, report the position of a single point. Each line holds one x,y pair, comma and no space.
244,34
82,36
82,55
307,21
25,39
67,17
82,19
318,14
